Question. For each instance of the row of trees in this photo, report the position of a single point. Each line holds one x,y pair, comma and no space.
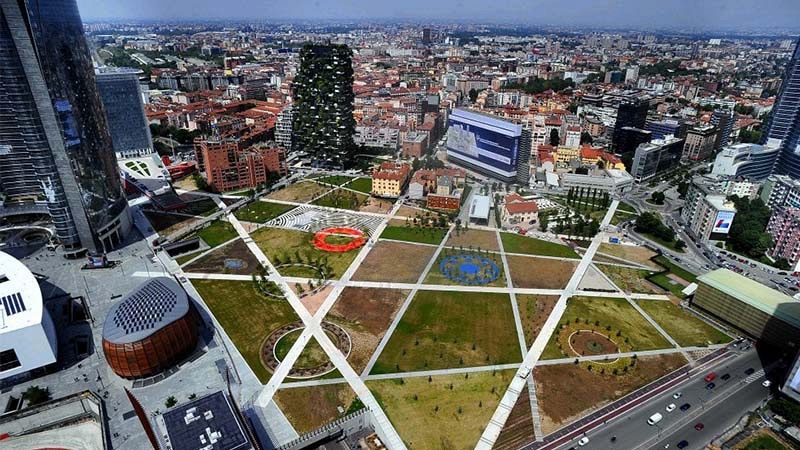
576,226
588,199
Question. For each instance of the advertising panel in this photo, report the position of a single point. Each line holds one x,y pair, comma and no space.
722,224
492,150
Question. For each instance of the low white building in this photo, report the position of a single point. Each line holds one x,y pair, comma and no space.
27,336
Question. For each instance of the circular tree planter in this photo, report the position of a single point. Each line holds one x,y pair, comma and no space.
270,359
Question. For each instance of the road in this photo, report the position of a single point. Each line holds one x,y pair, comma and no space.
717,408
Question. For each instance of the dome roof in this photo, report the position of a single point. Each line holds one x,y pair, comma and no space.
20,297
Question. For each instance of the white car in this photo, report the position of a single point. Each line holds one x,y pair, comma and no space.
583,441
670,407
766,383
677,395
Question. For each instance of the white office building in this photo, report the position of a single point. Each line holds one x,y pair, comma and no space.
27,336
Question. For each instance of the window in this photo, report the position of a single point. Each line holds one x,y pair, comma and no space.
8,360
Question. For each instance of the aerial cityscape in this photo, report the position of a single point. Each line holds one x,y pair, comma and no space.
423,225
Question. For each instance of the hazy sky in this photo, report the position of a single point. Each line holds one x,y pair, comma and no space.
699,14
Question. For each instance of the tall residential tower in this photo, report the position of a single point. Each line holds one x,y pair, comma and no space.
784,122
54,140
322,117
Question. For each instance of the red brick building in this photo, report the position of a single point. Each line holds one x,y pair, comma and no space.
446,202
228,166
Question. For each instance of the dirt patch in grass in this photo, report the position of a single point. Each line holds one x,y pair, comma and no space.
308,408
247,317
567,392
684,327
314,301
394,261
430,415
443,329
485,240
410,212
610,316
377,205
302,192
630,280
518,429
540,273
279,244
533,311
215,262
365,314
636,254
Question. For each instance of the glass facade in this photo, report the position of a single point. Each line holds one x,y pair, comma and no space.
122,100
47,38
784,122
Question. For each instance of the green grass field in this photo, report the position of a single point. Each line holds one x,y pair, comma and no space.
247,317
676,269
614,312
338,180
514,243
412,234
216,233
452,329
361,185
764,443
281,244
342,199
312,355
447,412
685,328
627,279
262,212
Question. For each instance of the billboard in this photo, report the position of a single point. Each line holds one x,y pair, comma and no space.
488,144
722,224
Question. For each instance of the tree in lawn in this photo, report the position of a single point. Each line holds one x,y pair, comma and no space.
554,138
657,197
570,195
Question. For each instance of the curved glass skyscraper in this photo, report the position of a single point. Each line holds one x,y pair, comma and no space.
784,122
62,124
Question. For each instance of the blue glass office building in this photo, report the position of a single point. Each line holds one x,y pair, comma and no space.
52,115
784,122
489,145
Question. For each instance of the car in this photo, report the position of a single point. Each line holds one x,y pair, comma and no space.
670,407
583,441
749,371
685,407
725,376
766,383
683,444
699,426
710,386
677,395
711,376
654,419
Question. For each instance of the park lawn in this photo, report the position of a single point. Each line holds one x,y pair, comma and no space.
664,281
301,192
626,207
668,244
676,269
614,312
262,212
629,280
203,207
529,272
183,259
435,276
342,199
365,313
476,239
394,261
217,232
361,185
567,392
633,253
764,441
312,355
684,327
282,243
247,317
442,330
166,223
337,180
534,311
425,235
449,412
214,261
296,404
515,243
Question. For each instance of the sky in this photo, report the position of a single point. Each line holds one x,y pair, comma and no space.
754,15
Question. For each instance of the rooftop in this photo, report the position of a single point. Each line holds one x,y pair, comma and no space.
150,307
480,207
208,423
754,294
20,298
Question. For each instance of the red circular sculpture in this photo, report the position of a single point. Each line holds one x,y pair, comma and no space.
321,239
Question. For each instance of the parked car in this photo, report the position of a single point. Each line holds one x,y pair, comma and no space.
710,376
725,376
583,441
677,395
699,426
683,444
685,407
710,386
670,407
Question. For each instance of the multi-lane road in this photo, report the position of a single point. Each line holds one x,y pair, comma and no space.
717,409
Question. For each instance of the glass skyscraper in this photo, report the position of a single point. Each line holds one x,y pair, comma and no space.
122,100
784,122
52,125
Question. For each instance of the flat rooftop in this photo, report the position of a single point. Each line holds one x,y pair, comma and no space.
207,423
754,294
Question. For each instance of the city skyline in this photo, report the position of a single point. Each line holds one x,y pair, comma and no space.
773,15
